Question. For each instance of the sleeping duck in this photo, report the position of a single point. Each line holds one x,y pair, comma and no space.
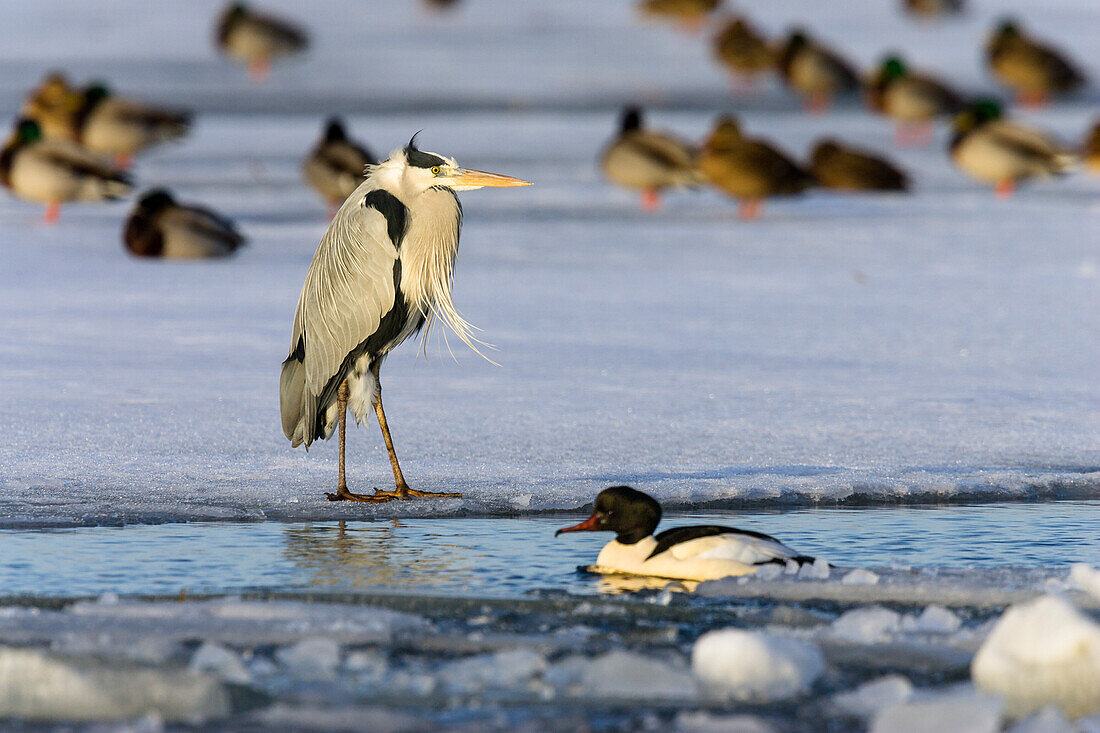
703,552
691,14
913,100
647,160
55,171
160,227
994,150
815,72
256,39
336,165
1032,69
845,168
743,50
932,8
747,169
122,127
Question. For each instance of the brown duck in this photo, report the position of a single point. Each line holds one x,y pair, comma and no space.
743,50
747,169
850,169
160,227
1032,69
815,72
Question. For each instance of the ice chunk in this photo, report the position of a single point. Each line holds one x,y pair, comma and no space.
871,697
748,665
700,722
510,668
223,663
958,711
938,620
38,686
1044,652
860,576
628,675
867,625
818,570
1086,578
315,658
1047,720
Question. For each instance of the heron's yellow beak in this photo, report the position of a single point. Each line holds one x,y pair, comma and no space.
468,179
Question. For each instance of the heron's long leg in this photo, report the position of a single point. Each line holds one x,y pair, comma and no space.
342,493
402,491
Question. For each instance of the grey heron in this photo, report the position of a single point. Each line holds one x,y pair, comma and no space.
382,271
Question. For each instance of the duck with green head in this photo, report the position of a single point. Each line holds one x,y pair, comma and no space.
913,100
122,127
1031,69
994,150
257,39
55,171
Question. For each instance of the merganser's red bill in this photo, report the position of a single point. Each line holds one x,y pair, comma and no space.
592,524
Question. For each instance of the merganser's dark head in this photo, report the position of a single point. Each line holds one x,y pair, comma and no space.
627,512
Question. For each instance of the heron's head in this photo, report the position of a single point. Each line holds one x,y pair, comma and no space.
627,512
412,171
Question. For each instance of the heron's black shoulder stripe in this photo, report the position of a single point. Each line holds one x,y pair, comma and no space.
395,213
670,537
299,352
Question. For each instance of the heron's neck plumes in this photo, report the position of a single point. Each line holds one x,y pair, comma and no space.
428,256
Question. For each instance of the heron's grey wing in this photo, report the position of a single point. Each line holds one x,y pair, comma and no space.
348,289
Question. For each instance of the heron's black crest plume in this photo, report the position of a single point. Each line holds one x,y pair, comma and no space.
419,159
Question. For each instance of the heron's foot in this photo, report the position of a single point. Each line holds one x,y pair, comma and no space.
405,493
342,494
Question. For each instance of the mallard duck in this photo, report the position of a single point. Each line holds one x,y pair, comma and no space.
1091,152
55,171
53,105
814,71
689,13
743,50
1031,69
336,165
850,169
750,170
647,160
932,8
160,227
122,127
996,151
256,39
913,100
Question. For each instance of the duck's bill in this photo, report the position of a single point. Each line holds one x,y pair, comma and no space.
469,178
592,524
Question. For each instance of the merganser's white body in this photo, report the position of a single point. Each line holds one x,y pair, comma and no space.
684,553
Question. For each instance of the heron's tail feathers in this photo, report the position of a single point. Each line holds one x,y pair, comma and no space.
294,402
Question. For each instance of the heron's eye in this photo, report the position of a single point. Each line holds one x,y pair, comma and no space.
435,170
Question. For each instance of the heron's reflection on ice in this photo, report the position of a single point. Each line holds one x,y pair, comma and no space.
381,553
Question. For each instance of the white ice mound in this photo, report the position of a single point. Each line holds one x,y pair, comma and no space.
315,658
871,697
752,666
505,669
963,711
37,686
1086,578
1043,652
630,676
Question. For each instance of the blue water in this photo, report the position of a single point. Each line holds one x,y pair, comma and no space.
506,557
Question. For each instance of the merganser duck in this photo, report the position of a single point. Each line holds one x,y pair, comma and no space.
913,100
1030,68
55,171
705,552
648,160
256,39
160,227
849,169
1000,152
814,71
748,169
337,164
